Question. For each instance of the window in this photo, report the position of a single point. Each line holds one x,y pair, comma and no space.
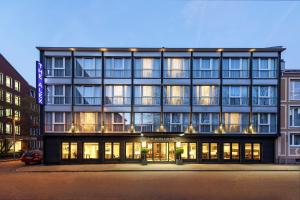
252,151
32,93
1,111
295,116
295,139
58,66
88,67
230,151
146,122
206,67
8,112
117,67
117,122
117,94
209,151
177,68
147,68
90,150
205,122
58,121
9,82
206,95
1,78
176,95
189,151
1,129
88,95
264,122
17,129
112,150
17,100
17,114
17,86
58,94
235,67
1,95
236,122
295,90
264,95
176,122
8,128
235,95
264,68
147,95
8,97
69,150
87,121
133,150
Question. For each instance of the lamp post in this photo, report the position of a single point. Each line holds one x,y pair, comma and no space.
14,135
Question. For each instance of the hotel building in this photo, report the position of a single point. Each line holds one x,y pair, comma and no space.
102,105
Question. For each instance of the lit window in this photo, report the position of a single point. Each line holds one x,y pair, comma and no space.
248,151
90,150
226,151
87,121
213,151
17,85
1,95
17,146
235,151
8,112
8,97
8,128
133,150
69,150
112,150
8,82
252,151
17,100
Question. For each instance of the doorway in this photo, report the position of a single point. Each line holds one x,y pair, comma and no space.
161,151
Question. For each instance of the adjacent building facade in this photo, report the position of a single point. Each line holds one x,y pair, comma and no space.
19,113
103,105
288,144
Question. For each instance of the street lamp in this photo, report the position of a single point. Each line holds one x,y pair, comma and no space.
14,119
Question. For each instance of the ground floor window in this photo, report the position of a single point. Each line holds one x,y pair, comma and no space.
209,151
112,150
231,151
90,150
252,151
69,150
189,151
133,150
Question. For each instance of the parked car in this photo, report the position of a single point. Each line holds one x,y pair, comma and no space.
32,157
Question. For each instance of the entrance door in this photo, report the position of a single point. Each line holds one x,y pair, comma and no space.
160,151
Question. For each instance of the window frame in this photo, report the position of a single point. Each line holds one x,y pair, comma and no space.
292,139
112,151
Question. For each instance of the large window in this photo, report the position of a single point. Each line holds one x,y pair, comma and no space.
58,66
58,94
206,95
90,150
295,139
117,122
231,151
209,151
205,122
189,151
295,89
69,150
176,95
58,121
112,150
206,68
264,122
147,68
252,151
117,67
235,95
87,121
176,122
264,95
133,150
236,122
264,68
147,95
9,82
295,116
117,94
235,67
8,128
88,95
146,122
176,68
88,67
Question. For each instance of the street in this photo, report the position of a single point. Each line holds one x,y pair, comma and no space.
147,185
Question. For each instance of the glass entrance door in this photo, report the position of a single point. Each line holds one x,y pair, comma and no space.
161,151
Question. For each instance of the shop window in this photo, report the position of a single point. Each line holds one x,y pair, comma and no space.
133,150
226,151
252,151
189,151
235,151
90,150
248,151
69,150
112,150
231,151
209,151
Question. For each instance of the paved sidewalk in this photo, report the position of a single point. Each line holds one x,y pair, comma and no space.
157,167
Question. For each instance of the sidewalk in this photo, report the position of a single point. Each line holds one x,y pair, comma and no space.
157,167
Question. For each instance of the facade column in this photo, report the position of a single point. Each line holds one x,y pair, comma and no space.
250,129
221,129
190,128
132,94
102,93
72,91
161,127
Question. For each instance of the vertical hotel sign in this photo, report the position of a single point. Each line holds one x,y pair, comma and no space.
40,83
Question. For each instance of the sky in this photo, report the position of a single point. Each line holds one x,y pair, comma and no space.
24,25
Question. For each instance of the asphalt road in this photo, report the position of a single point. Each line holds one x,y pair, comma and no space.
147,185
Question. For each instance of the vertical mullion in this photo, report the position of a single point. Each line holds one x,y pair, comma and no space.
161,88
251,91
191,89
102,91
221,89
72,91
132,91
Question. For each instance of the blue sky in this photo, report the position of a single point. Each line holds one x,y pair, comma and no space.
145,23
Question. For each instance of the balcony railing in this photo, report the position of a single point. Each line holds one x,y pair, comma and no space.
147,73
118,73
144,128
236,128
236,101
58,127
57,73
264,101
88,100
176,73
88,73
87,128
235,73
176,100
147,101
117,100
58,100
206,100
264,73
116,127
205,128
175,127
205,74
265,128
